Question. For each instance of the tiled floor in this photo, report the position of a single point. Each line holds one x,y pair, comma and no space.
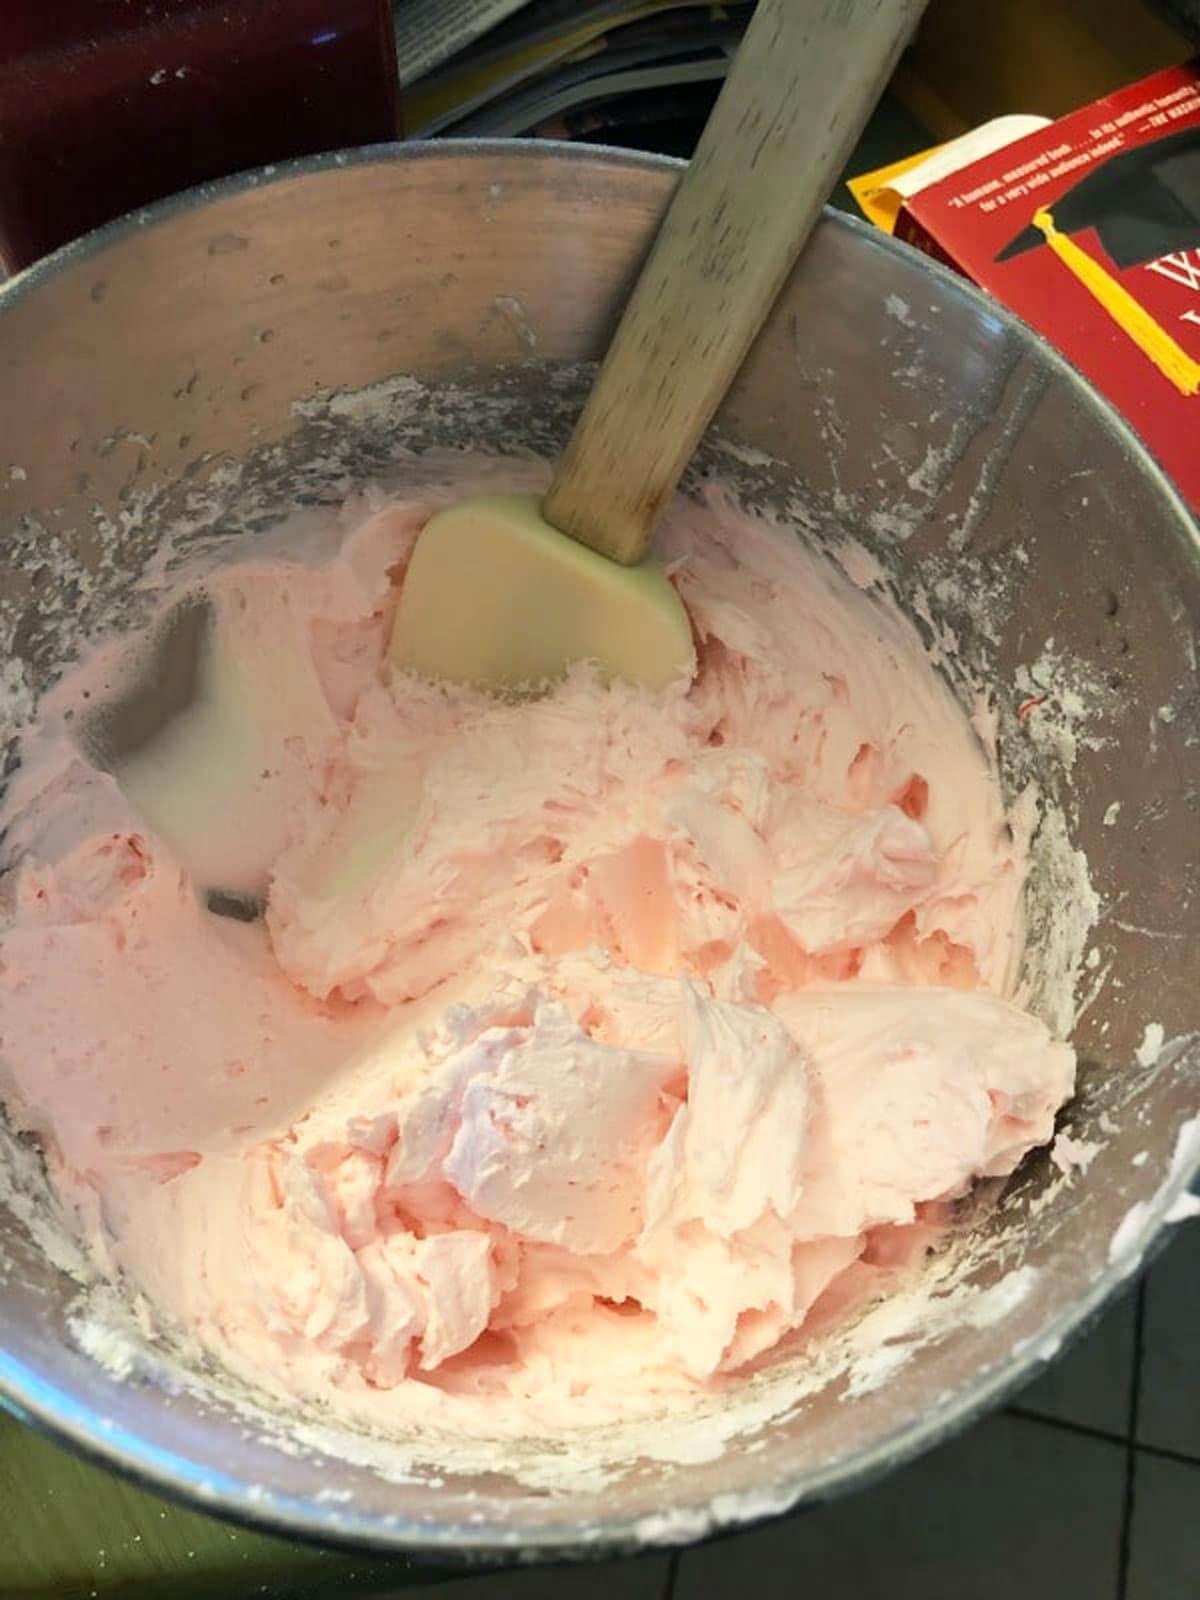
1012,1508
1164,1556
1169,1413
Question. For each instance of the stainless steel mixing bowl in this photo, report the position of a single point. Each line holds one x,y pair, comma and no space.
897,405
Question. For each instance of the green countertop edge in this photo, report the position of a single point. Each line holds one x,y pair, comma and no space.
72,1529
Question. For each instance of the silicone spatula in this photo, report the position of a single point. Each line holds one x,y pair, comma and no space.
506,591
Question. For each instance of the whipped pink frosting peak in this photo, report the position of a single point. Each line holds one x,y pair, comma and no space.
589,1042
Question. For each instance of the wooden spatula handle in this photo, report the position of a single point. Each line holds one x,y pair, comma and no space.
805,79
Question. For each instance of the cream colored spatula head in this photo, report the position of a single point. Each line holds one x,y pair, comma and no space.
496,596
504,592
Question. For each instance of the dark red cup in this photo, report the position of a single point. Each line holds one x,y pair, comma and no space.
108,104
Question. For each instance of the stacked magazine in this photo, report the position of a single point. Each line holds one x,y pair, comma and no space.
608,70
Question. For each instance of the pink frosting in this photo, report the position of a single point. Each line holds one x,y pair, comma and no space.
590,1044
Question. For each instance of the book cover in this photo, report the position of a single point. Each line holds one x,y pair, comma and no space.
1089,229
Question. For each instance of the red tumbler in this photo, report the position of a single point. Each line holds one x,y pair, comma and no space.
107,104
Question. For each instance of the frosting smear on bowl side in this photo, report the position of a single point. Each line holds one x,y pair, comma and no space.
586,1045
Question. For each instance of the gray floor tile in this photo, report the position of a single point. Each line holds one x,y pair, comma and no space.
1015,1507
637,1578
1092,1381
1169,1404
1164,1551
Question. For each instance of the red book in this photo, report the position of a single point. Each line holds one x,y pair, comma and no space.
1089,230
